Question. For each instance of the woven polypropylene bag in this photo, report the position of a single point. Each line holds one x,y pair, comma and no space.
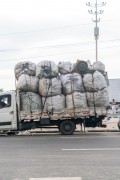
101,98
50,87
98,66
28,83
76,100
99,81
54,102
88,82
65,67
71,83
30,101
25,67
47,69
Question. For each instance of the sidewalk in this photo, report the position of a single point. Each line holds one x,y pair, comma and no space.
111,125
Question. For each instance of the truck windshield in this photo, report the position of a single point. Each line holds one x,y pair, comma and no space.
5,101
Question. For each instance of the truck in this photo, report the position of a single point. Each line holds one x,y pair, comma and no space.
13,119
50,95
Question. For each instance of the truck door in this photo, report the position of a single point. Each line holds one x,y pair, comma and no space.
6,111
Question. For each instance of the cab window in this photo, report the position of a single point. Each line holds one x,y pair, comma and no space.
5,101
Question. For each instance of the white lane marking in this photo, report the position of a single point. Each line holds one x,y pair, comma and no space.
58,178
96,149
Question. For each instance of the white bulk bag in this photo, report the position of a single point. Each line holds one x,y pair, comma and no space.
101,98
54,102
71,83
28,83
47,69
99,81
50,87
30,101
65,67
88,82
76,100
25,67
98,66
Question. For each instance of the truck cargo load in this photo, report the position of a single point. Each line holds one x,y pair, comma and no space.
50,94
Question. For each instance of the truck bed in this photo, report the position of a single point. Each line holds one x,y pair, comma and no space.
62,114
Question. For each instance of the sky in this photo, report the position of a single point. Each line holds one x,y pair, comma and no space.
56,30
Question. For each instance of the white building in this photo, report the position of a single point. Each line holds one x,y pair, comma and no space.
114,89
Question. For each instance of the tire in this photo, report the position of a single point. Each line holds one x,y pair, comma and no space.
11,133
67,127
82,66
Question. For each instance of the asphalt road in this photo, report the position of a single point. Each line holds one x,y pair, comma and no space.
91,156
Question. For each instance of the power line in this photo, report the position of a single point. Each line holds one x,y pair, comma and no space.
54,28
58,46
52,46
45,29
35,57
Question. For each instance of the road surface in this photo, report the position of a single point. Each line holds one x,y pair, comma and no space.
90,156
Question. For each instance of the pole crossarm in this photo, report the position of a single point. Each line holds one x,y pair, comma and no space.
96,12
98,5
98,20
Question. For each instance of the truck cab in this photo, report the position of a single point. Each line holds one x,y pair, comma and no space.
8,111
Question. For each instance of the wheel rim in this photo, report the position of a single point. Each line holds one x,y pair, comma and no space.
67,127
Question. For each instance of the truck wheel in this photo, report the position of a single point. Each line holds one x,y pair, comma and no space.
67,127
11,133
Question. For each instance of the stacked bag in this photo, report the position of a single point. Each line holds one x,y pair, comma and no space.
48,86
96,83
84,85
28,85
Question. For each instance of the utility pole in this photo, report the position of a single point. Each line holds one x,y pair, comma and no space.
96,12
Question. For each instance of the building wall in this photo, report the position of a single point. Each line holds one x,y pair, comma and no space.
114,89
